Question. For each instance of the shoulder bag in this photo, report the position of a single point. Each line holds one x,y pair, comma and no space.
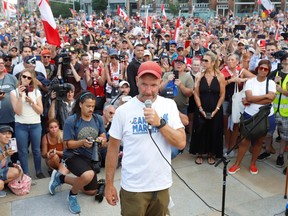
257,125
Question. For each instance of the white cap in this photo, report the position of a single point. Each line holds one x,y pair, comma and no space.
123,82
97,56
147,52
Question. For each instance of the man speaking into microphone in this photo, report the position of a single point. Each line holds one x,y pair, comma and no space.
145,176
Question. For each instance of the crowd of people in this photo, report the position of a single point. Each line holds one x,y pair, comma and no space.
62,100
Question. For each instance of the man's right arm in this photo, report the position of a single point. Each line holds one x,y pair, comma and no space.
111,163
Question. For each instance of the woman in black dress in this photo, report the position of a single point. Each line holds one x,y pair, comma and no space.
207,134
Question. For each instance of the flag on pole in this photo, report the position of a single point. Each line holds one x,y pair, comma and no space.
9,8
49,23
268,6
163,11
122,13
89,24
177,27
73,12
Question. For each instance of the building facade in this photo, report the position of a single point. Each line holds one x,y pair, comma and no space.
199,8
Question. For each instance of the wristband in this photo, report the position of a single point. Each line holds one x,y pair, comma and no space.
218,108
200,109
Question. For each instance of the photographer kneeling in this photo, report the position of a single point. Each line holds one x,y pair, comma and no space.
83,133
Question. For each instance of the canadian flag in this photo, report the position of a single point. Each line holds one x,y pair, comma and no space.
49,23
177,28
157,24
122,13
9,8
89,24
163,11
73,12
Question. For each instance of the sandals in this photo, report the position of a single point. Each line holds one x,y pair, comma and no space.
211,160
199,160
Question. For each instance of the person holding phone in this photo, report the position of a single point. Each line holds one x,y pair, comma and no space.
182,81
7,172
27,104
209,94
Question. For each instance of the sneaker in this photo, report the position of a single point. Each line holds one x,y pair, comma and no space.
253,169
40,175
280,161
74,207
54,181
233,169
3,193
265,155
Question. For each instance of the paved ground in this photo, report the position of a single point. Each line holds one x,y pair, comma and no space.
257,195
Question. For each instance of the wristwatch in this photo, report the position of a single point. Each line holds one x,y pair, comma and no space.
162,123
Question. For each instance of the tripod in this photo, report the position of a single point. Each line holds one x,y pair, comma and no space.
225,159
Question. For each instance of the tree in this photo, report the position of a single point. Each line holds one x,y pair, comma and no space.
174,8
99,5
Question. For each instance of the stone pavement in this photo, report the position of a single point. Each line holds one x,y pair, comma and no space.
246,194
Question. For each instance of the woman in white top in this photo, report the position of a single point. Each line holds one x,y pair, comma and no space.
27,104
256,96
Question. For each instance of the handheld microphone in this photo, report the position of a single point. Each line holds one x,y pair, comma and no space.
148,104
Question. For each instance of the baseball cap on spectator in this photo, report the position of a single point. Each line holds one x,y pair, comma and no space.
147,52
46,52
164,55
138,44
180,46
180,58
7,56
72,49
150,67
123,82
13,47
107,32
124,40
6,128
166,34
271,33
96,57
113,52
243,41
156,59
252,50
172,42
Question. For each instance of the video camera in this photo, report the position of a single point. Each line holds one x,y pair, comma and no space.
65,54
279,54
60,89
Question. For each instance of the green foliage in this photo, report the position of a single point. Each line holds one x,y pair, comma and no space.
61,9
174,8
99,5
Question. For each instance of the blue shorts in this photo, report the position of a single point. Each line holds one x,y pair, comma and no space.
272,123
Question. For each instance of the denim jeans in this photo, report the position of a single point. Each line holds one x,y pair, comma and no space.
23,132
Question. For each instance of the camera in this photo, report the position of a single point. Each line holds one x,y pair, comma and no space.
100,192
278,54
65,54
95,159
60,89
93,48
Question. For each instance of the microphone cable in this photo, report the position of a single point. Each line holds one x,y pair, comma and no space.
209,206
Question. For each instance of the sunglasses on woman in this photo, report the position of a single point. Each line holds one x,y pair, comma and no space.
263,69
26,77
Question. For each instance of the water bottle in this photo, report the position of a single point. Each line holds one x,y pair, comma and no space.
95,155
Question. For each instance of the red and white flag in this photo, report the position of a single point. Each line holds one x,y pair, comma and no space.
9,8
122,13
177,28
267,4
89,24
73,12
49,23
163,11
157,24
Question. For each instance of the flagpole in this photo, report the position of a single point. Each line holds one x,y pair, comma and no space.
18,23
